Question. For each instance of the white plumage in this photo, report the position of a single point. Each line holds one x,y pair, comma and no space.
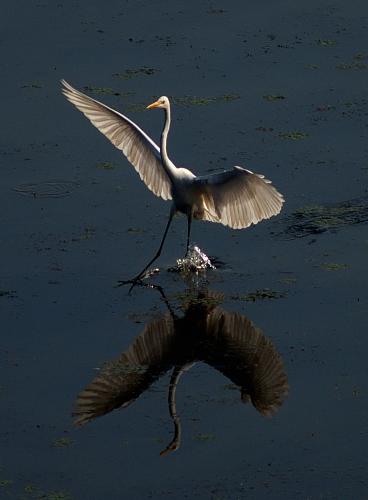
236,198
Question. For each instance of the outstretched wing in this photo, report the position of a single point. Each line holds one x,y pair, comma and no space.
123,380
238,198
140,150
243,354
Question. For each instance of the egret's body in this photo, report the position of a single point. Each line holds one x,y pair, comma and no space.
236,198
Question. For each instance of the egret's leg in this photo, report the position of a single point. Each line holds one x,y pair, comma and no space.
175,377
188,236
157,255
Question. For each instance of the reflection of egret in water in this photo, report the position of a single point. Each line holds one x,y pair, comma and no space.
227,341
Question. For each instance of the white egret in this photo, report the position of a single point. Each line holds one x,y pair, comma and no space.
236,198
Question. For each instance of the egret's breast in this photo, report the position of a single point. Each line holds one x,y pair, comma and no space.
185,195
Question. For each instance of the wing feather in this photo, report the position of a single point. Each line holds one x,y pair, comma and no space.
142,152
248,358
239,198
123,380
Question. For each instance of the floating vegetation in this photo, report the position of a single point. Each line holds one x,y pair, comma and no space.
326,43
260,294
315,219
30,488
54,189
104,91
135,230
33,491
63,442
57,495
216,11
158,440
88,233
325,107
33,85
204,437
191,297
293,136
8,293
165,40
232,387
136,107
5,482
352,65
360,56
105,165
120,368
288,281
276,97
264,129
333,266
203,101
132,73
312,66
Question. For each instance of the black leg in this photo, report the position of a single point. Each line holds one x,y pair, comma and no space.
188,237
175,377
157,255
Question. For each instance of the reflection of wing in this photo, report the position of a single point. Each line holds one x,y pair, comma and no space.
124,379
136,145
239,198
242,353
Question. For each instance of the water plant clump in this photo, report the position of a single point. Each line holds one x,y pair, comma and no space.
315,219
260,294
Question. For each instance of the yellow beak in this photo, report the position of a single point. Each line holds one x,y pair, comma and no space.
155,104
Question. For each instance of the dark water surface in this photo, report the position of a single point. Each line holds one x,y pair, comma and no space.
278,87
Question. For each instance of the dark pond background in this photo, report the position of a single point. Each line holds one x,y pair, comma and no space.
279,87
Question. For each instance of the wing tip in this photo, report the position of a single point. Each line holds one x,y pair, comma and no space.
65,85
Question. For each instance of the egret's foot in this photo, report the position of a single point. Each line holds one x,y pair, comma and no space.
171,447
133,281
138,280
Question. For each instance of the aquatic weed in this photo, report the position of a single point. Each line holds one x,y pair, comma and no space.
315,219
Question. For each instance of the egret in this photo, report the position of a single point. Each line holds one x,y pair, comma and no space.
236,198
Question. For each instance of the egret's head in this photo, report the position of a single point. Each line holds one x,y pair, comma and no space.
162,102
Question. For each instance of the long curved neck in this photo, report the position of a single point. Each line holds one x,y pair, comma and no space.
166,162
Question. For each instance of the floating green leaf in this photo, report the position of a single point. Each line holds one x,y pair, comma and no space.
293,136
271,97
326,43
333,266
105,165
63,442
